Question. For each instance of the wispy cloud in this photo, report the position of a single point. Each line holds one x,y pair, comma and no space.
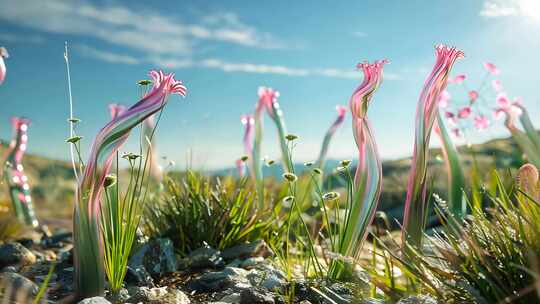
33,39
506,8
359,34
106,56
223,65
140,30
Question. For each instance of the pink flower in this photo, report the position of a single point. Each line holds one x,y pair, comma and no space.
491,68
473,96
464,112
444,99
361,96
497,85
502,100
481,122
267,99
241,167
458,79
3,71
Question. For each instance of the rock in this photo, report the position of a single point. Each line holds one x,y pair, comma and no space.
120,296
256,296
17,287
205,257
218,280
15,254
138,277
265,275
373,301
161,295
156,256
251,262
58,239
256,248
235,263
94,300
233,298
10,269
419,299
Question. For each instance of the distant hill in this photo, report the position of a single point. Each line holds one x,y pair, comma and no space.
52,180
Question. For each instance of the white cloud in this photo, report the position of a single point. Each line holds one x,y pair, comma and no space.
222,65
106,56
506,8
10,38
359,34
141,30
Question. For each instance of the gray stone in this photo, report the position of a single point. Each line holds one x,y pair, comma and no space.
233,298
139,277
161,295
15,254
10,269
256,296
157,257
17,287
218,280
120,296
265,275
205,257
251,262
419,299
94,300
256,248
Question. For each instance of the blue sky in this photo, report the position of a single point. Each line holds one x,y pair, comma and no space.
224,50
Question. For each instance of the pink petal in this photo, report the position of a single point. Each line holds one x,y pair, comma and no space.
473,95
502,100
464,112
490,67
497,85
458,79
481,122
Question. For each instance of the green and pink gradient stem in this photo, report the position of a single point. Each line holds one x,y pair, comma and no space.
426,114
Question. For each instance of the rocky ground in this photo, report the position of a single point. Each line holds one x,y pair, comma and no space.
241,274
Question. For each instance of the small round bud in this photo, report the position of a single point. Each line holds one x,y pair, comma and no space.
291,137
144,82
288,200
308,164
130,156
74,139
270,162
110,180
291,177
244,158
345,162
330,196
317,171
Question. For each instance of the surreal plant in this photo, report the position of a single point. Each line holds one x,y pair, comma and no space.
426,114
341,110
367,184
149,147
3,54
17,181
88,249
